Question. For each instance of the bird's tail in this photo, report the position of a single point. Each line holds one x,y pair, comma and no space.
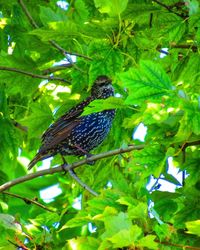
38,157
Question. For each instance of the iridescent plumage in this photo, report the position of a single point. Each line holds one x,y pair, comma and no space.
73,134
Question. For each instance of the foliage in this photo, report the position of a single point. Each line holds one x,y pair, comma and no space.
124,40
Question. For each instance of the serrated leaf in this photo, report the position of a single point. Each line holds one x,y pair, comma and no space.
138,9
149,242
77,222
39,120
162,231
176,31
57,31
191,69
148,82
83,243
106,60
150,158
100,105
112,7
80,12
116,223
126,237
138,212
160,207
193,227
48,15
8,137
190,122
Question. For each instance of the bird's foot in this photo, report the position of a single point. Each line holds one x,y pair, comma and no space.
88,161
64,165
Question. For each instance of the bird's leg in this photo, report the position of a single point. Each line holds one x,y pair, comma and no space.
86,153
64,164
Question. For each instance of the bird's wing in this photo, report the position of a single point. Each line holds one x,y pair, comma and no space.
62,127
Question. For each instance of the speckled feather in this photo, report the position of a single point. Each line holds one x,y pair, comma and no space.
73,134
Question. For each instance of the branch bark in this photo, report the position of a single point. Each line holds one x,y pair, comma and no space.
68,167
30,201
32,74
53,43
169,8
177,245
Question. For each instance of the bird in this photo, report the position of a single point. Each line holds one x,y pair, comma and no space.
73,134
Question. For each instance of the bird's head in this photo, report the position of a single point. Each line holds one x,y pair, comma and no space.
102,88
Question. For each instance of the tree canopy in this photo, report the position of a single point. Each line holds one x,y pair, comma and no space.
50,54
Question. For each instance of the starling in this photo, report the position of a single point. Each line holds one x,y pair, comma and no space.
73,134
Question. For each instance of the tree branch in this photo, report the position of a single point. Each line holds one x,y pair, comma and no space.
29,201
63,51
27,13
169,8
177,245
66,167
56,68
53,43
33,75
20,126
82,184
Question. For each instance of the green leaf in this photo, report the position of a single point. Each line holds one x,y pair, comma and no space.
57,31
176,31
149,242
139,211
162,231
138,9
146,83
106,60
83,243
78,221
115,223
191,71
193,6
145,159
100,105
126,237
47,15
9,222
112,7
39,120
160,207
193,227
80,11
190,122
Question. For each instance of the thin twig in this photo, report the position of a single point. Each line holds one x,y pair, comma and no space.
56,68
82,184
14,244
68,167
53,43
29,201
169,8
33,75
27,13
20,126
177,245
63,51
